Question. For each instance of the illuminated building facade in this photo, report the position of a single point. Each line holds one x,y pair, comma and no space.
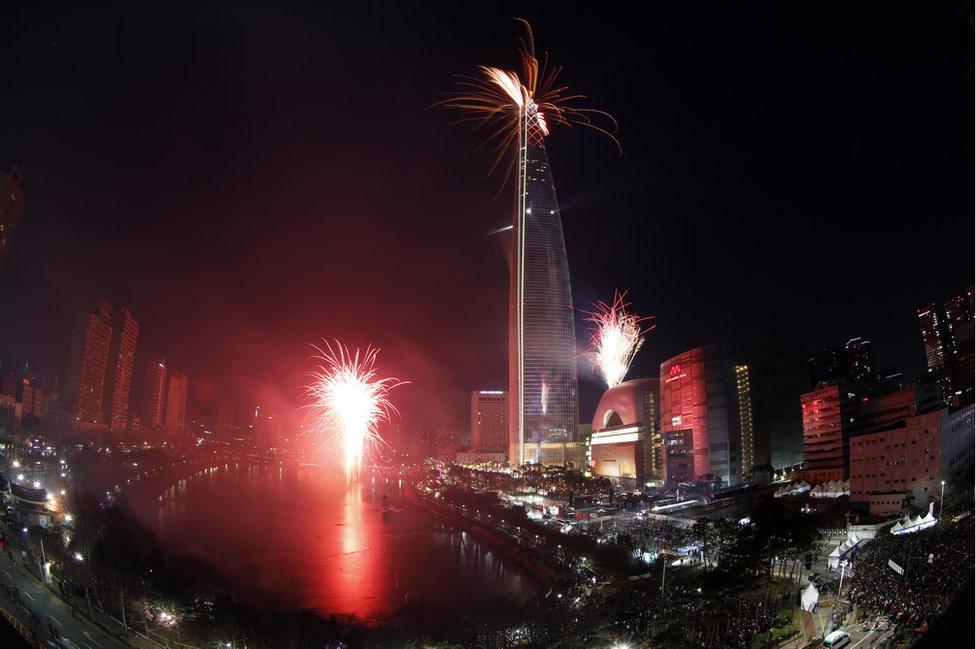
881,412
904,459
727,409
122,357
932,326
489,421
828,415
85,372
154,395
747,433
11,206
626,438
961,338
860,361
176,398
543,408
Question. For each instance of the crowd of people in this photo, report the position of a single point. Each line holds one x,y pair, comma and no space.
656,535
936,562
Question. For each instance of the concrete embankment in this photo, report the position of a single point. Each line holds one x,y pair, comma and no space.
537,568
143,492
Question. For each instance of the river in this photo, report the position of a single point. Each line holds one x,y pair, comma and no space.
297,534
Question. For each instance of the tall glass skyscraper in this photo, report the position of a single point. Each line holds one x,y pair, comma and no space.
542,338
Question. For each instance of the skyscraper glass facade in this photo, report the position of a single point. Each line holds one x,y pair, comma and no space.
542,336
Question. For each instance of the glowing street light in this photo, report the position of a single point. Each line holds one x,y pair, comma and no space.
941,499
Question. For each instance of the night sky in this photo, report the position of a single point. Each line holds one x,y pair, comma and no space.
249,180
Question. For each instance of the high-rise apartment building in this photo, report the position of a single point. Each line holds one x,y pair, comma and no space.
154,395
87,366
948,341
959,311
961,337
11,207
122,356
930,323
543,400
853,362
176,398
860,362
489,421
935,344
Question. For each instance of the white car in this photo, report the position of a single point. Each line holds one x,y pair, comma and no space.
837,639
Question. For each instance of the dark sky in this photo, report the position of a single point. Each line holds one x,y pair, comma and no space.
250,179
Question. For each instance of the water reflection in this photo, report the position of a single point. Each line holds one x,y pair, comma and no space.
300,534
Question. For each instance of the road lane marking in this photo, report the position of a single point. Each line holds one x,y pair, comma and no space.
87,635
871,633
56,621
7,573
29,595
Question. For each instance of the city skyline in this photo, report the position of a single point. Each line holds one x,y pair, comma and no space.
299,346
751,227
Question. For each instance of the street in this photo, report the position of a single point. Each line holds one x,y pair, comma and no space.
69,629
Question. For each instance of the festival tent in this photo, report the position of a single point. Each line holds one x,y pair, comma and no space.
911,524
831,489
791,489
842,551
809,597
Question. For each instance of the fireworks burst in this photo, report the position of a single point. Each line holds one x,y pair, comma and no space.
615,338
347,402
497,101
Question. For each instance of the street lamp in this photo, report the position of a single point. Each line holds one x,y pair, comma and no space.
840,587
941,496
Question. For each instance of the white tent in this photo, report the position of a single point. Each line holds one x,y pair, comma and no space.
809,597
911,524
842,551
792,489
831,489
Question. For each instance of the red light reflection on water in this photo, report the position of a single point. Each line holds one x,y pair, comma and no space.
301,536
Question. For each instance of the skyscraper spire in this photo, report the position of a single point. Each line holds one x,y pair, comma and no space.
517,112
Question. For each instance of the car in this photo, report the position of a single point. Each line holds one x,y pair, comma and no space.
814,576
837,639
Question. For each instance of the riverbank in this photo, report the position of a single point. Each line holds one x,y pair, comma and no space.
147,488
535,567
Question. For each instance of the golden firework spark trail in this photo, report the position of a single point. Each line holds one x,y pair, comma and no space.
496,99
615,338
347,400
